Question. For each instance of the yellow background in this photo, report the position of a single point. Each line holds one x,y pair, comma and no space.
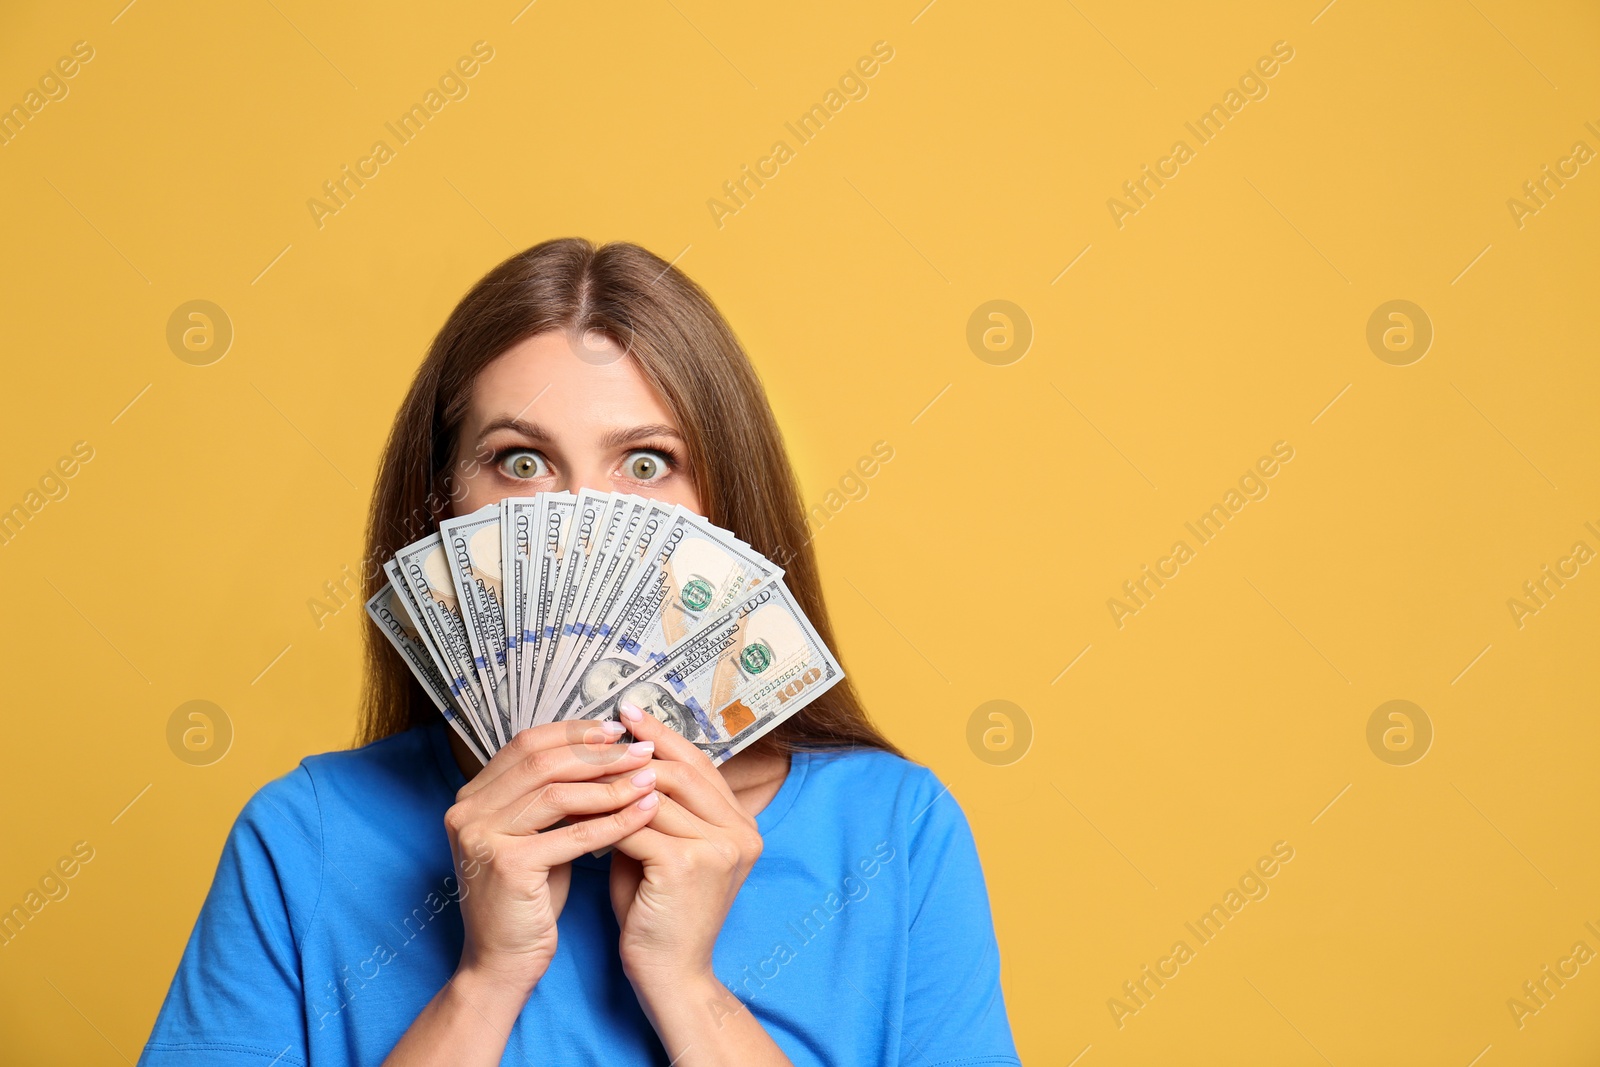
1228,314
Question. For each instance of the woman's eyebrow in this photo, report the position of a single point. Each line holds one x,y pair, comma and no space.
531,431
618,438
614,439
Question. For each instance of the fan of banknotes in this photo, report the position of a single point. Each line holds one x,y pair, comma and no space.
563,605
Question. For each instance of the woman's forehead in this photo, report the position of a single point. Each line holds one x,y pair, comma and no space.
566,382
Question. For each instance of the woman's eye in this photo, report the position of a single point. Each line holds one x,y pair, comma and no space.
523,465
644,466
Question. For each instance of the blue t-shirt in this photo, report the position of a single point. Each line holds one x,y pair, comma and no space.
861,936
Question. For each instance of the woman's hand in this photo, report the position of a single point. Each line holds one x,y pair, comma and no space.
514,875
515,872
672,882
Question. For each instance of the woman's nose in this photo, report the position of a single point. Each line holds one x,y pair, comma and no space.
588,477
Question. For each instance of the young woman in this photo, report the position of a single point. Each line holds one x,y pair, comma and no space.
817,899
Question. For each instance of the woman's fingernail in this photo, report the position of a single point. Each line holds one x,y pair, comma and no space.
649,800
641,748
612,727
629,712
644,778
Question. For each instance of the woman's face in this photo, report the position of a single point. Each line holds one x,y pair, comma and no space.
560,412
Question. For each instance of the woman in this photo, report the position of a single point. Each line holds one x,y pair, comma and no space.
816,899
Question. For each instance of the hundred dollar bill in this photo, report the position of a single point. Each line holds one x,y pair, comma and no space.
590,541
706,571
734,679
634,564
388,611
626,568
588,512
425,572
618,527
472,549
539,589
519,522
455,685
694,576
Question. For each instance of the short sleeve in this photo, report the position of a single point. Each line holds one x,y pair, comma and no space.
237,997
955,1012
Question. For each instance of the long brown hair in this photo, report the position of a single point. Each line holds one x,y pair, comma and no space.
684,348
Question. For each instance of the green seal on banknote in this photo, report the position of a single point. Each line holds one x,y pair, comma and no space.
696,595
755,658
